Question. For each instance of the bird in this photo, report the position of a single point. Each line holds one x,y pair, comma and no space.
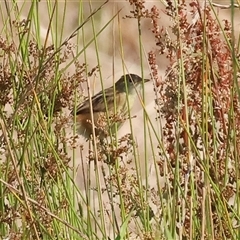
111,111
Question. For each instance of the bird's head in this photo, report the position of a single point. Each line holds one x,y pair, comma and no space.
129,81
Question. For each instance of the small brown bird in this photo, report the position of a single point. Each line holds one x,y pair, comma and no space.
110,113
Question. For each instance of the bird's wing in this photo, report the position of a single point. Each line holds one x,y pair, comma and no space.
97,102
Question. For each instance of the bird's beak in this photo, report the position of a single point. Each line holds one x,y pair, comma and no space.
146,80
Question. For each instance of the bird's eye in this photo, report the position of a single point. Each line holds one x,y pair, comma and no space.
130,79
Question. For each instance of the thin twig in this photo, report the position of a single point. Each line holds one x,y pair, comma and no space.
235,5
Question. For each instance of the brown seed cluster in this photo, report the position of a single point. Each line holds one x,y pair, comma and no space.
198,101
195,101
33,151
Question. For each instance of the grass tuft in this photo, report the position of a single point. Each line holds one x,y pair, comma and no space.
177,178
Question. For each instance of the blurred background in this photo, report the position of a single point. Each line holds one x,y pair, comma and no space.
115,42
